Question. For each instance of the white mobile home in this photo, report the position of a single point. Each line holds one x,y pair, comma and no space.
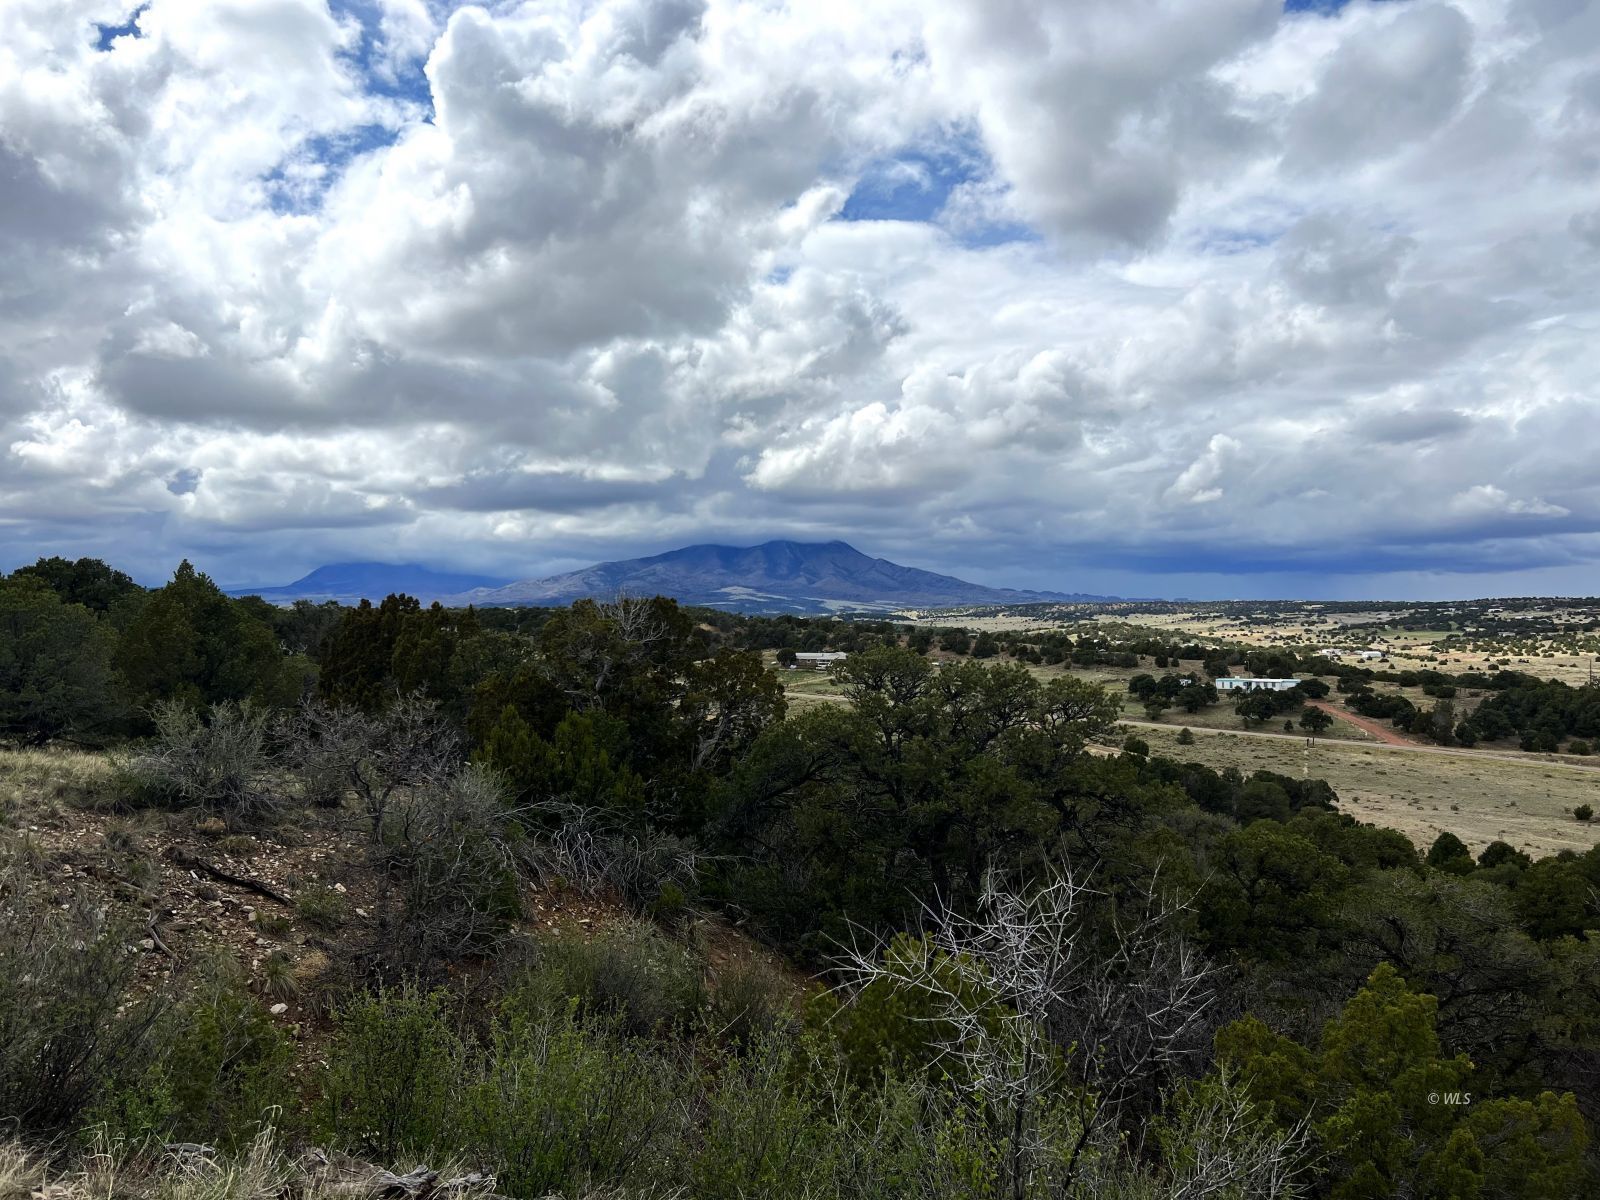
1231,683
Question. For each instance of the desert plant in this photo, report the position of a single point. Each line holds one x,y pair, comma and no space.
763,1137
632,974
1064,1012
449,883
396,1071
1584,812
1185,736
652,872
568,1103
750,1001
321,907
70,1023
222,1072
279,979
220,761
379,757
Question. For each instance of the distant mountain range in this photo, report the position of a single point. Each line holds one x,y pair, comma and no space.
350,583
774,577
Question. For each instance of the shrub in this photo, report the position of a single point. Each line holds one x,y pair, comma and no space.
278,976
751,1000
220,762
1135,745
652,872
1579,747
70,1027
321,907
567,1102
449,865
632,974
221,1074
764,1137
1584,812
396,1069
1185,736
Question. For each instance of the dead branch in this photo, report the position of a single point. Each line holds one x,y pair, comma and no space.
185,858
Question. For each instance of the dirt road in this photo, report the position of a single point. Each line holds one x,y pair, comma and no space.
1526,760
1387,734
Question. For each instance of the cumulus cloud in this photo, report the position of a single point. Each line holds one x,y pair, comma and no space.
1106,295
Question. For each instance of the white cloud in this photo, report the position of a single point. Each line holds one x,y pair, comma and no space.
1177,282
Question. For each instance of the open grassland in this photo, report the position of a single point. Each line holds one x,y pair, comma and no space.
1421,793
1543,650
1498,793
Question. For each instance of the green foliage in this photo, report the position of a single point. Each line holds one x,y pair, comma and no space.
321,907
87,582
1554,898
1316,721
446,860
889,1029
630,974
72,1027
56,677
1450,853
221,1073
1583,812
1393,1115
191,644
764,1138
358,656
1186,736
395,1076
565,1103
750,1001
912,789
1272,896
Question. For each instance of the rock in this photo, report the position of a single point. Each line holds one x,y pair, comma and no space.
147,943
279,1009
339,887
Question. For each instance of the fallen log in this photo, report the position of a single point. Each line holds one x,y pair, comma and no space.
185,858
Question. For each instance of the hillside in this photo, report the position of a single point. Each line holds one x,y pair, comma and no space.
774,577
350,583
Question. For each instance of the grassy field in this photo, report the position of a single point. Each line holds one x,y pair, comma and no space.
1479,798
1421,794
1525,800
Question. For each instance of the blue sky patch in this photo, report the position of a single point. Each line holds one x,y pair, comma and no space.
106,34
916,185
910,187
408,82
298,184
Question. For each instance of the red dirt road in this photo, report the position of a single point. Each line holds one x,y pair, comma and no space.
1384,733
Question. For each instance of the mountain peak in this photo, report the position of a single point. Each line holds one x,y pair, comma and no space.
352,582
777,576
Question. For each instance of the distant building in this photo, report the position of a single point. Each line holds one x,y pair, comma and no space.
1363,655
1233,683
819,660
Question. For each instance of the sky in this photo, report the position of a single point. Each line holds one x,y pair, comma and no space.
1204,298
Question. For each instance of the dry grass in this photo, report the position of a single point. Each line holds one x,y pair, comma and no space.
1422,794
52,775
119,1170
